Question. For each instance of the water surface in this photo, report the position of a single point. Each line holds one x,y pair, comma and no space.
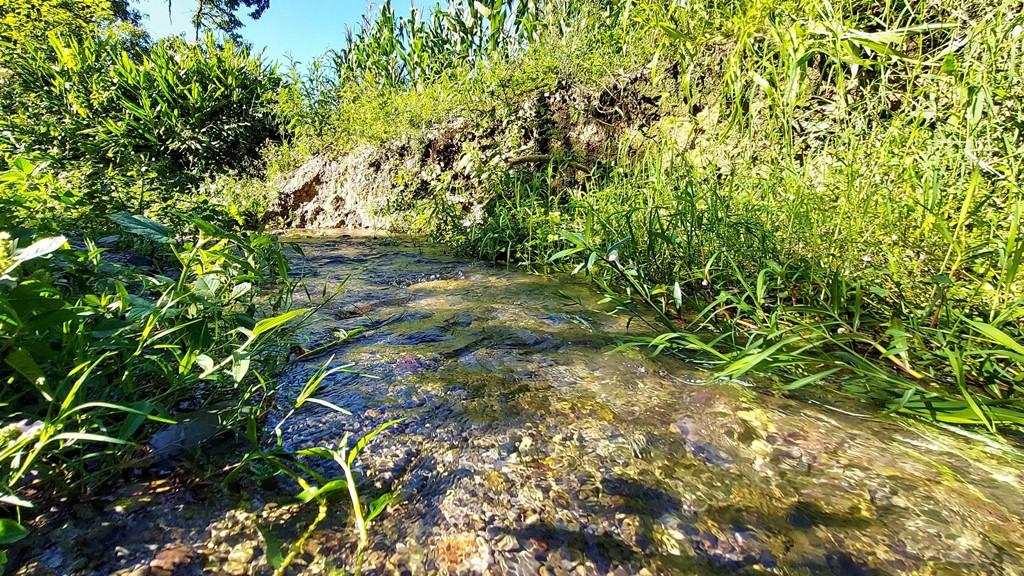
527,448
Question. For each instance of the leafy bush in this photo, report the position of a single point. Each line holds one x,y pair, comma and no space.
24,23
139,127
100,346
93,348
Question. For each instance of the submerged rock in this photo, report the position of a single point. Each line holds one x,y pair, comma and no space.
525,449
169,559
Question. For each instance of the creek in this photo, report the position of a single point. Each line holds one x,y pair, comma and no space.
526,447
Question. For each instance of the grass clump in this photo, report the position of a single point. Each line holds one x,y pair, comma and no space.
130,294
143,308
824,192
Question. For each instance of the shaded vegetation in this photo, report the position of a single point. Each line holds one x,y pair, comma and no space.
128,298
136,297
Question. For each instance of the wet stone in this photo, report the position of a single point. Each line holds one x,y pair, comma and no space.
709,454
190,431
169,559
428,336
523,340
461,320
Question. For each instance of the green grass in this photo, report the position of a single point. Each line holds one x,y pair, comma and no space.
97,355
108,139
268,458
823,193
829,194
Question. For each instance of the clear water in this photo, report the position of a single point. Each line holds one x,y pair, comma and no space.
528,448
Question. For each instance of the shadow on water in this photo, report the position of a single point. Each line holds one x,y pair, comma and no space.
524,447
450,408
603,551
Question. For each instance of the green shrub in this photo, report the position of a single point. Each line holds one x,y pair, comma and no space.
100,347
141,127
95,350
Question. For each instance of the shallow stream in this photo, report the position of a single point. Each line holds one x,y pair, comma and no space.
527,448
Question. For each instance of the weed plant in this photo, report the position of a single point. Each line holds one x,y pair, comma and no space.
828,192
123,303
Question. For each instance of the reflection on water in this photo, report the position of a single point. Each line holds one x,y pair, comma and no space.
527,448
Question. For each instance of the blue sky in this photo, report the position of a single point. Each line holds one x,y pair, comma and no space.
296,29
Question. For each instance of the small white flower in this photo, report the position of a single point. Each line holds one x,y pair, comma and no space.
841,330
866,258
704,282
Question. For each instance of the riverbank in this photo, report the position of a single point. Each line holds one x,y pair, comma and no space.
827,196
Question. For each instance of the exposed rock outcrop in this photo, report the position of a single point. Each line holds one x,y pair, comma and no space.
375,186
346,191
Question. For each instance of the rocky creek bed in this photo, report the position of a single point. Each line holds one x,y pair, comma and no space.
527,449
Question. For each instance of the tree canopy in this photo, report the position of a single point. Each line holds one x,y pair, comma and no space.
222,15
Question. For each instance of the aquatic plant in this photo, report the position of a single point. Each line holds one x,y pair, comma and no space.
271,458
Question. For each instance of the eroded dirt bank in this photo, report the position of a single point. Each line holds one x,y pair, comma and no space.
525,448
383,186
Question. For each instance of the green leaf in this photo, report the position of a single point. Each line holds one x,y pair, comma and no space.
121,408
142,226
12,500
272,545
239,366
564,253
810,379
370,436
318,451
37,249
998,336
22,362
379,504
85,436
205,363
330,405
574,237
316,492
268,324
749,361
209,228
318,377
956,363
949,65
11,532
